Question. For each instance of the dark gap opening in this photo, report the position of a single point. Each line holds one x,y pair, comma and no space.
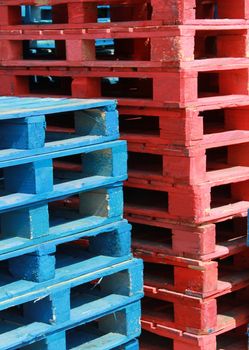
63,209
159,237
217,158
147,199
158,275
50,85
206,9
104,12
221,195
142,125
227,304
25,314
123,49
159,310
226,157
10,318
236,337
59,126
130,12
68,168
127,88
44,49
205,45
151,164
226,267
208,84
213,121
155,342
231,229
222,83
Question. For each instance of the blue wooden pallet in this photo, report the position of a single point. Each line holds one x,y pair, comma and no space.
23,129
17,246
48,262
63,340
70,216
68,304
30,274
58,174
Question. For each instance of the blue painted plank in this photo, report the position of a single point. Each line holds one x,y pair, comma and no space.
27,106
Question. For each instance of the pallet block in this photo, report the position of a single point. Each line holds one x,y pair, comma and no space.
32,126
196,86
140,46
175,11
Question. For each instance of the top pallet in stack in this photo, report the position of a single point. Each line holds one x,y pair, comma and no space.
149,54
67,274
180,72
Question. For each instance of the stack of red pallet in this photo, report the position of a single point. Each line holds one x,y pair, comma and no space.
181,77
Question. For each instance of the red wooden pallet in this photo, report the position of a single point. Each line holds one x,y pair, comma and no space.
231,340
188,341
138,45
194,277
143,87
154,239
203,203
157,167
174,11
183,127
193,315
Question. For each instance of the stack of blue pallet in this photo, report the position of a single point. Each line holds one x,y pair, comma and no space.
67,278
